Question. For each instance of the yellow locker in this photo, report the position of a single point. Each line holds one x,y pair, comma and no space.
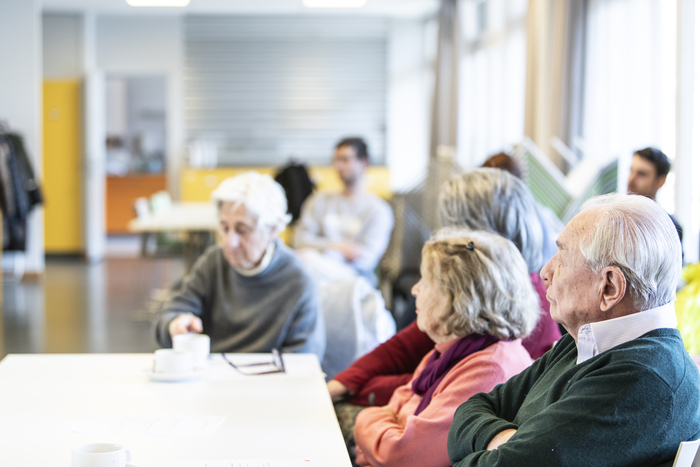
63,172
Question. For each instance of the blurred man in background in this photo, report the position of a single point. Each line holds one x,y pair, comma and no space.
648,173
341,235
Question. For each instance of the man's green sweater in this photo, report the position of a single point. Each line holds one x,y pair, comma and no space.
629,406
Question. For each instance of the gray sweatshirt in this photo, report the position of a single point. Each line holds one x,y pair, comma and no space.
278,308
364,219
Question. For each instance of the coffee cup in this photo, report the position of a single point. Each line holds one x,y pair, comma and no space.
198,344
172,361
100,455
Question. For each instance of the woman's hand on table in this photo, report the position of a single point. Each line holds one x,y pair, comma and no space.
184,324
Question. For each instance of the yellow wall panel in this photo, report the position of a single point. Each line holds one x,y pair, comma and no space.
63,173
197,184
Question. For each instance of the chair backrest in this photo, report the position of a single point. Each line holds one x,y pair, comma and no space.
161,202
687,454
356,322
142,208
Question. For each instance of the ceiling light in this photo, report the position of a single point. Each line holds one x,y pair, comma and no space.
334,3
179,3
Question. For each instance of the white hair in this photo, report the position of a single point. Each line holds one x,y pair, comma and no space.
495,201
262,197
636,235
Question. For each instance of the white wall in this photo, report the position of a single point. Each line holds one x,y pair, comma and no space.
147,109
149,45
62,46
408,109
20,98
116,104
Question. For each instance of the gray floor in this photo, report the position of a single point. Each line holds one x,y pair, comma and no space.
79,308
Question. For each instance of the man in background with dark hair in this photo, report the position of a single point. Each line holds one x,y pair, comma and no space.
648,173
341,235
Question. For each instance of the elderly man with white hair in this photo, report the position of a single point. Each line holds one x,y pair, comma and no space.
620,389
251,293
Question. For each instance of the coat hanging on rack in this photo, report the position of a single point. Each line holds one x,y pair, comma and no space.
19,190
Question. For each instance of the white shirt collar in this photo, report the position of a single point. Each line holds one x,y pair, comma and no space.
267,258
596,338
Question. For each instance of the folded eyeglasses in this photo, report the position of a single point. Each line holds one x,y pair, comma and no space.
249,369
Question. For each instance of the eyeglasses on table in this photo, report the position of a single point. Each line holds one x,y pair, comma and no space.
249,370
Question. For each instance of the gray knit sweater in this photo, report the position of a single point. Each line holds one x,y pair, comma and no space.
278,308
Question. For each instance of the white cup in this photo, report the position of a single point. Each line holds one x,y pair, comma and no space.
198,344
172,361
100,455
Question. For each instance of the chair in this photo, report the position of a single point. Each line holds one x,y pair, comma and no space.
356,322
687,454
167,243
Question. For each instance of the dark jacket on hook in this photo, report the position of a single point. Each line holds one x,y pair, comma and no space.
19,191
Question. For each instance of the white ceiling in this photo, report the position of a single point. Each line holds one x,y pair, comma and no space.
386,8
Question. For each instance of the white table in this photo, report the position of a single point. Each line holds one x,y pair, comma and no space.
180,216
197,220
43,398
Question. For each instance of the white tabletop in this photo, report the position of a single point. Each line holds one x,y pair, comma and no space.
45,399
180,216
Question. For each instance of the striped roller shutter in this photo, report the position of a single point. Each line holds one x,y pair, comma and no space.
264,89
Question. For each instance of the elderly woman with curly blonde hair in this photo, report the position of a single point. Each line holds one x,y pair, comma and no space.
250,293
475,301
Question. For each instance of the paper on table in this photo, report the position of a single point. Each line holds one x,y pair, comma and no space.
150,426
244,463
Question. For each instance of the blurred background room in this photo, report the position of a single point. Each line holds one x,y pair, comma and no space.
131,115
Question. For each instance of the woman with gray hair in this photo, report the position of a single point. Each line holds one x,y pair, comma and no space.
251,293
482,199
495,201
475,301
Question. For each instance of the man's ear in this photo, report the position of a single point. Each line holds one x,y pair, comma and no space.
614,287
660,180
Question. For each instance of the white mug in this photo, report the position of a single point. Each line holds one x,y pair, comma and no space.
172,361
198,344
100,455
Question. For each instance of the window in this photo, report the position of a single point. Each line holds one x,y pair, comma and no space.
492,78
630,83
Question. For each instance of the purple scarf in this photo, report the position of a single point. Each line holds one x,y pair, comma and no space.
438,366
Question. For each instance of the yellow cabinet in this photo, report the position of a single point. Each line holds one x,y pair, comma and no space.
63,172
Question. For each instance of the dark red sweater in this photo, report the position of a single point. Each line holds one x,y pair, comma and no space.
373,378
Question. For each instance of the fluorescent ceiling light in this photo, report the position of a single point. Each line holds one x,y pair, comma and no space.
158,2
334,3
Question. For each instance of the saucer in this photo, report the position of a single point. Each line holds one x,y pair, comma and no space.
174,377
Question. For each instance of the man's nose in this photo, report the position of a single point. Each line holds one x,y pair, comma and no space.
546,273
233,240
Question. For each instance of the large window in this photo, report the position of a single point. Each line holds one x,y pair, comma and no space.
630,82
492,78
